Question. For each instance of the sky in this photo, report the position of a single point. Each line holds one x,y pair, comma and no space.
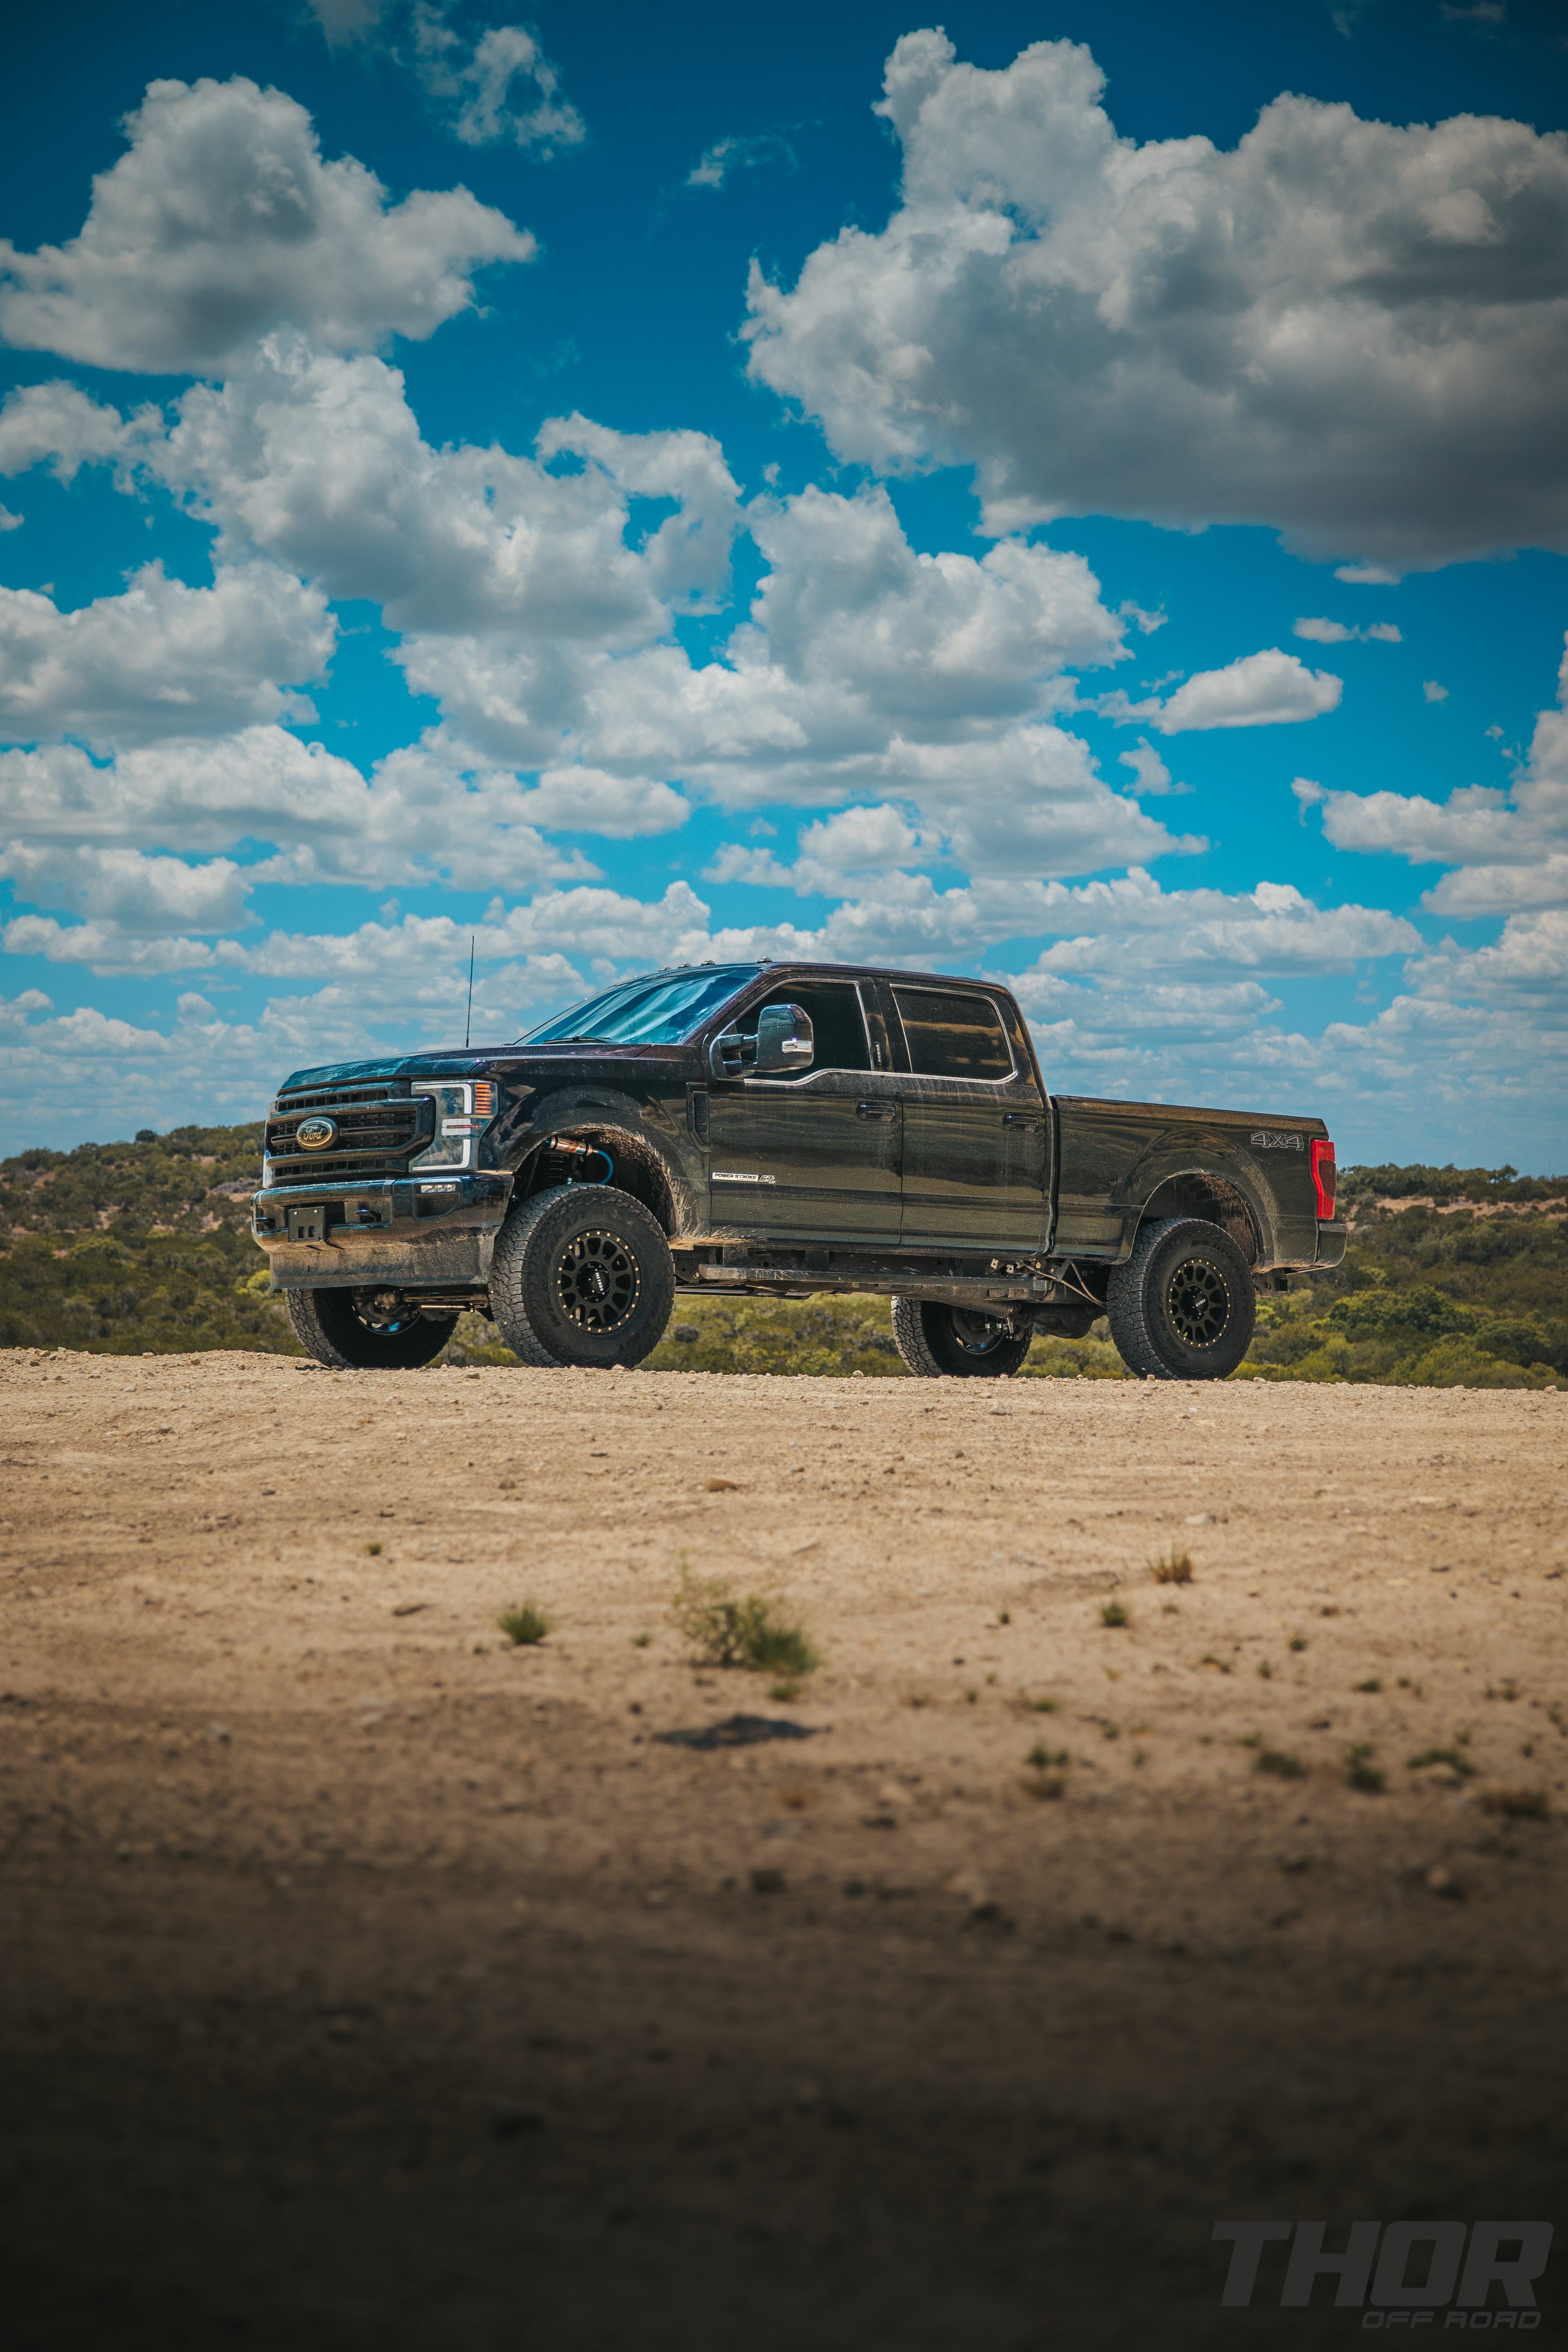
1076,494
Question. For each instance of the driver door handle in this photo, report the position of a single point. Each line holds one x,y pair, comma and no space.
873,1110
1019,1119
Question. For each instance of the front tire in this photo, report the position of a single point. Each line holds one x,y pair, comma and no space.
955,1342
582,1275
1183,1308
348,1329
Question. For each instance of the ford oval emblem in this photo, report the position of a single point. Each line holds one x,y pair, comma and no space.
315,1134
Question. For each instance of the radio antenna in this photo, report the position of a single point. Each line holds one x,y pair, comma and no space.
469,1016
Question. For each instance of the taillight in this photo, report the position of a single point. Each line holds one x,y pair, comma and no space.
1324,1174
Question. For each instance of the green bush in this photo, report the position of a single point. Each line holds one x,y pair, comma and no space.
729,1630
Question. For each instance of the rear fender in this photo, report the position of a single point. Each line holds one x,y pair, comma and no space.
1187,1175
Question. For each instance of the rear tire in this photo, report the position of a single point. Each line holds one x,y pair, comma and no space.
345,1327
1182,1306
582,1275
955,1342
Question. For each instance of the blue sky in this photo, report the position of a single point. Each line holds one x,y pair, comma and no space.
1079,495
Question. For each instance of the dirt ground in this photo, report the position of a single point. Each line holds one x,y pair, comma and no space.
369,1981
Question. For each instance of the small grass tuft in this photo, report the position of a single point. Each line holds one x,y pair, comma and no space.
1370,1684
1027,1705
1171,1568
1298,1640
1045,1779
641,1641
1518,1804
524,1625
1448,1755
1220,1665
1114,1612
728,1630
1265,1671
1361,1772
1279,1763
373,1551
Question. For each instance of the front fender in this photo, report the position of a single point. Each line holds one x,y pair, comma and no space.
655,1130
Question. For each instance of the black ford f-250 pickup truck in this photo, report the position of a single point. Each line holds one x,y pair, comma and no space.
777,1129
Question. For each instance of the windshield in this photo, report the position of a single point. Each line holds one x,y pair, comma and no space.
664,1010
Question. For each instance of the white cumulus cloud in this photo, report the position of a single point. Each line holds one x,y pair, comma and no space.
1265,690
161,658
57,421
221,222
1509,849
1340,633
1349,329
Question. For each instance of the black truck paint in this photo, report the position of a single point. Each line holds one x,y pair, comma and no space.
913,1151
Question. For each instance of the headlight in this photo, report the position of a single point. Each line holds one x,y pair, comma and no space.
464,1109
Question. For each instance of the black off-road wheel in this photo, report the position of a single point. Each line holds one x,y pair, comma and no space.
1183,1308
582,1275
362,1331
955,1342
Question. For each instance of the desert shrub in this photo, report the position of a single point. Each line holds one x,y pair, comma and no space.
1448,1755
1171,1568
1518,1804
525,1624
727,1629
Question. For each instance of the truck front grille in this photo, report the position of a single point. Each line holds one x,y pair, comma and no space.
379,1127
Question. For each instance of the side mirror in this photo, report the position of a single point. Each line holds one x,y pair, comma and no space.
785,1040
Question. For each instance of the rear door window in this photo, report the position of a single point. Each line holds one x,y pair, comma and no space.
950,1035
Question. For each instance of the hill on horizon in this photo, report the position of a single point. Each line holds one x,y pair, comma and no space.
1453,1278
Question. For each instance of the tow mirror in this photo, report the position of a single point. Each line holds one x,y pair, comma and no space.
785,1040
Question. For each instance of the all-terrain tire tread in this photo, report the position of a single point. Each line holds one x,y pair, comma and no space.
914,1345
509,1269
421,1342
910,1338
1129,1295
506,1280
1125,1296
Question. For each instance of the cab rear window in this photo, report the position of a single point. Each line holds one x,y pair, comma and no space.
952,1036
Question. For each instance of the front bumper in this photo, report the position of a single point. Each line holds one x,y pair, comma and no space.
391,1233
